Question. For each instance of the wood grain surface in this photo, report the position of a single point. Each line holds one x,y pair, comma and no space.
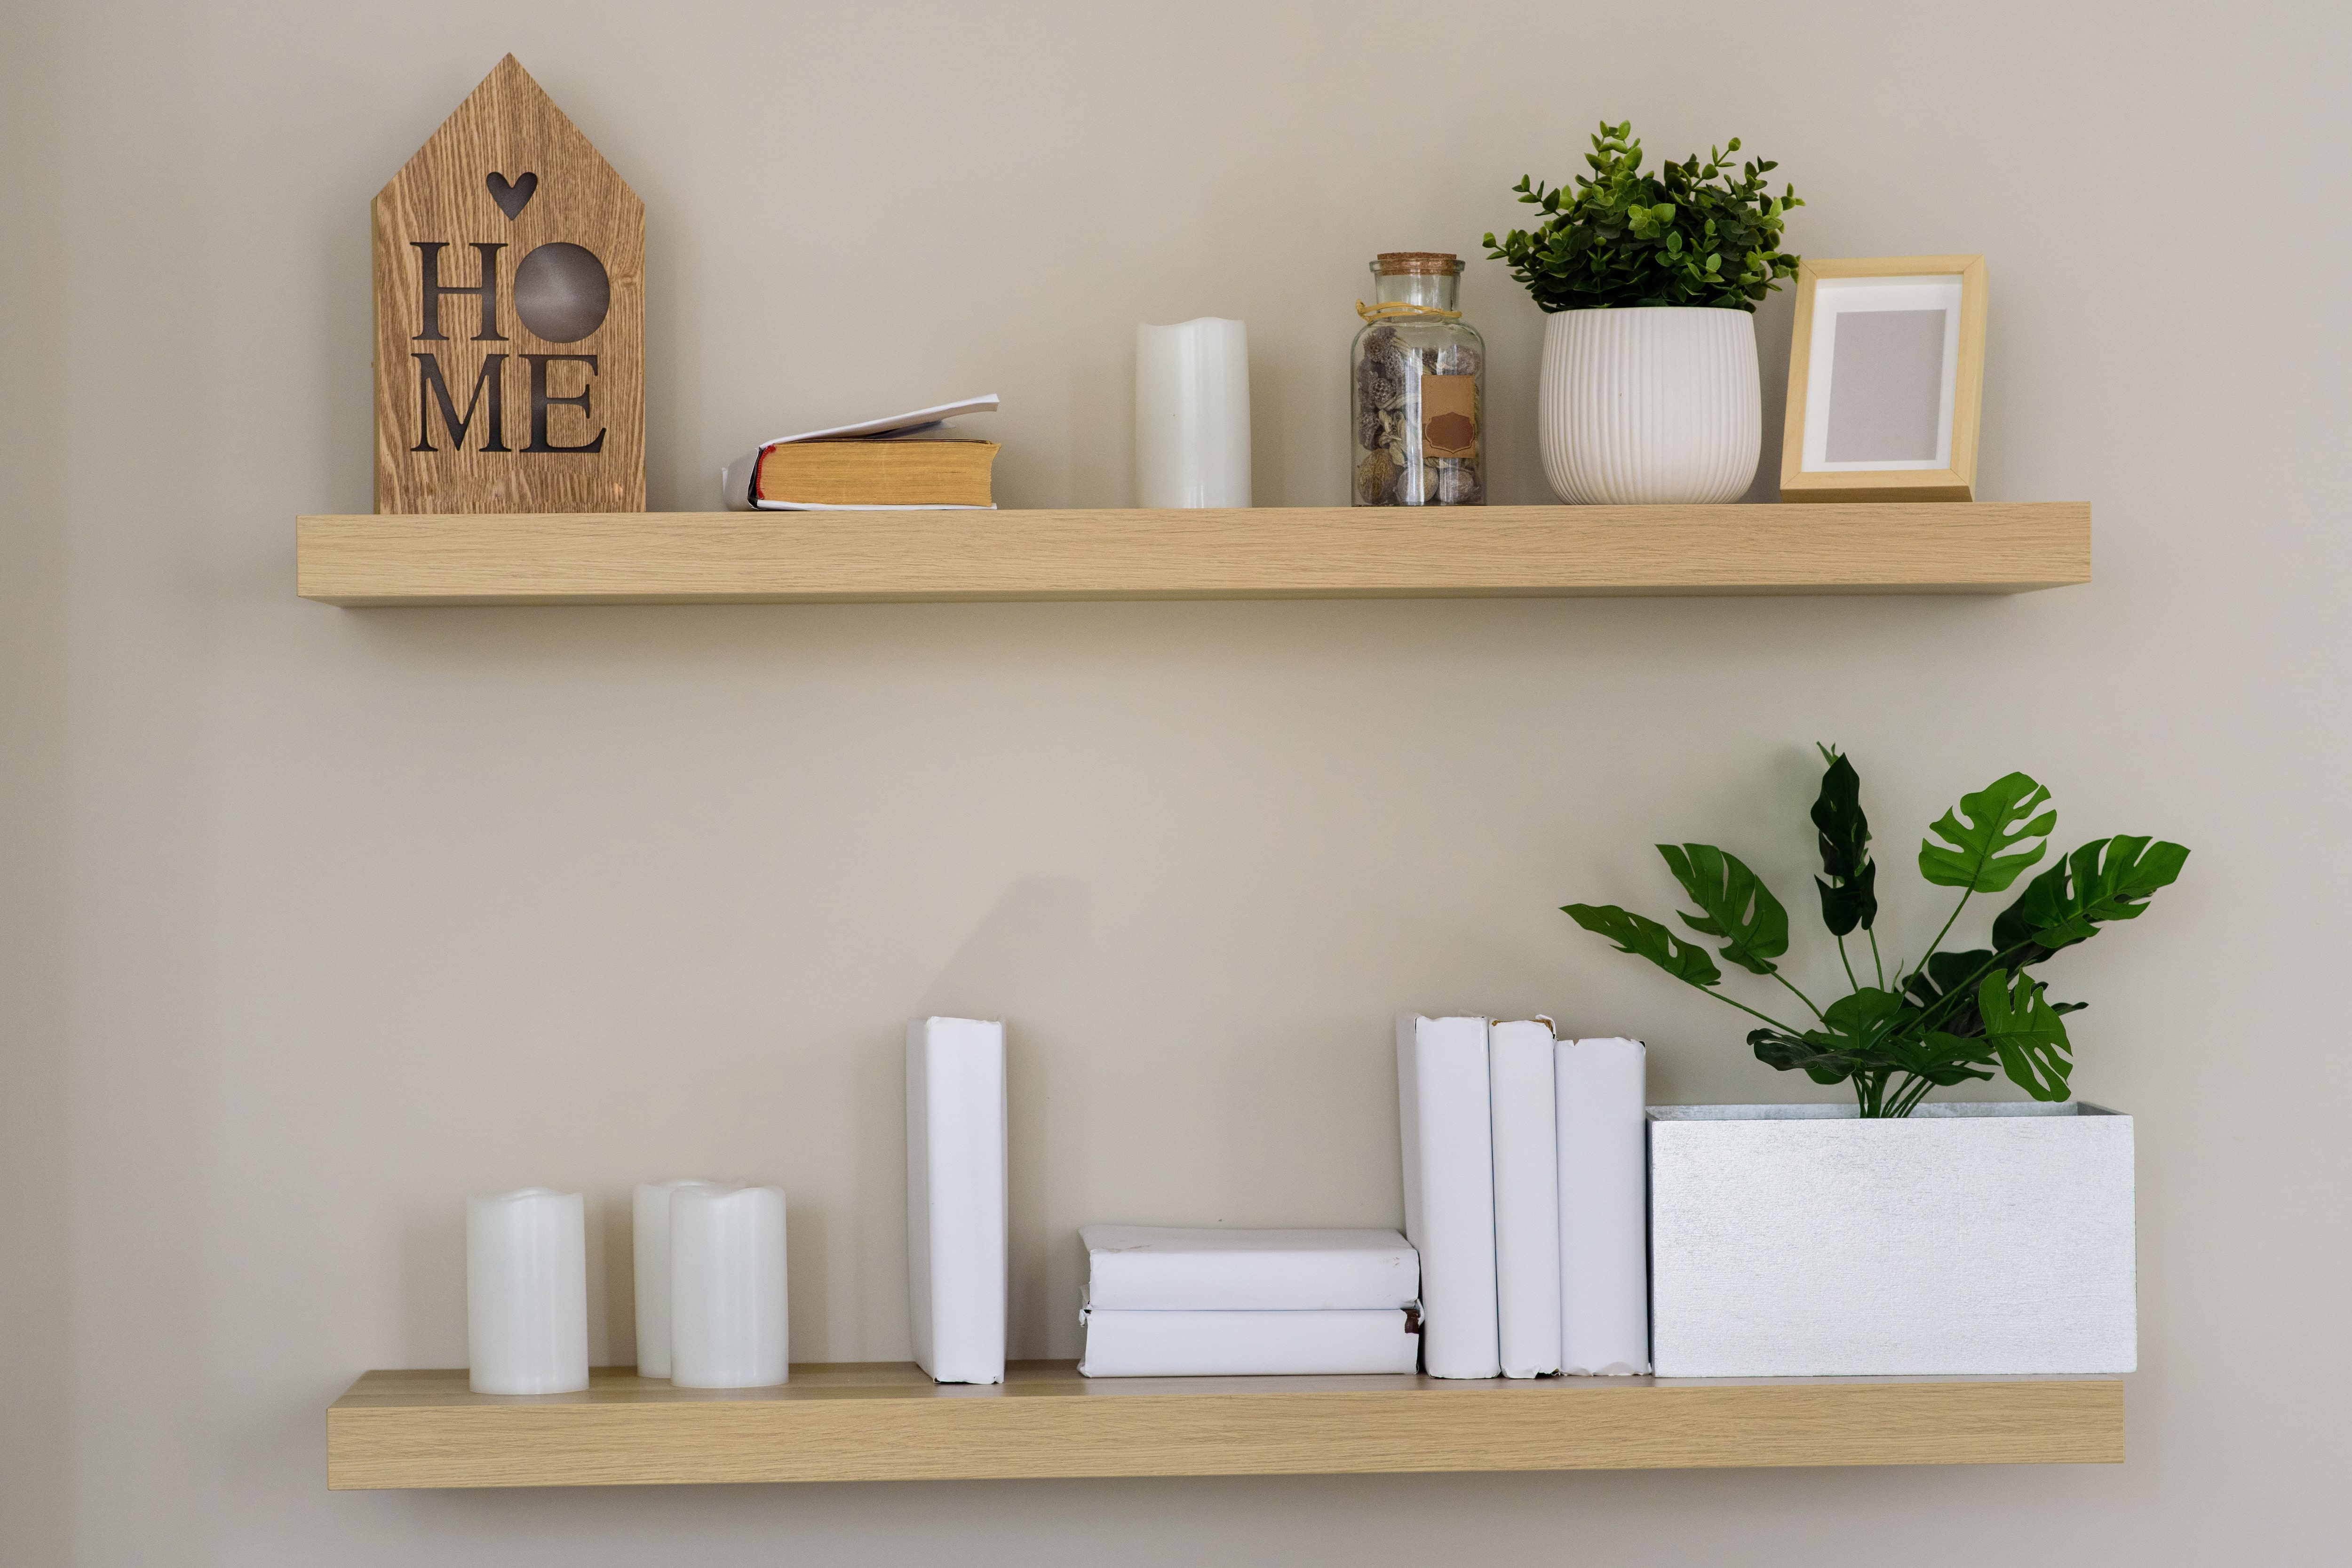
889,1422
1272,552
510,128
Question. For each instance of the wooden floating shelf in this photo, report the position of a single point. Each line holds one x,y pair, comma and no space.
1270,552
887,1421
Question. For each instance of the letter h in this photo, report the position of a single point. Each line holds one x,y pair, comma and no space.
487,291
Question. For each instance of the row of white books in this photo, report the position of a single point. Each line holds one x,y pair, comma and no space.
1526,1174
1525,1250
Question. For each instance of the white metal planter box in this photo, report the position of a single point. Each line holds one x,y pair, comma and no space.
1800,1240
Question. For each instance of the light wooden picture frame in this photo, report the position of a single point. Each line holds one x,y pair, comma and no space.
1885,379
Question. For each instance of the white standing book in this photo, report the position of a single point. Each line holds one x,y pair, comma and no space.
1140,1268
1526,1197
1604,1175
1445,1115
956,1197
1246,1345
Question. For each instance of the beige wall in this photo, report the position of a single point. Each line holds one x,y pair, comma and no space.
318,920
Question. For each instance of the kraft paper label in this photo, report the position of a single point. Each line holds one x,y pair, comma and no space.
1449,415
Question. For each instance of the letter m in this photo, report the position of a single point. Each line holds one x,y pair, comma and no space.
432,389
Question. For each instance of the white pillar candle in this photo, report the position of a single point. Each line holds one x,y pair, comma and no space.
1192,414
527,1292
649,1243
727,1321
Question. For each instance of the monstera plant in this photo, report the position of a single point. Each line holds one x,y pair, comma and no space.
1951,1016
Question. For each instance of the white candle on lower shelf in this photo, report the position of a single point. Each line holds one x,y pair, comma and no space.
527,1292
1192,414
649,1243
729,1324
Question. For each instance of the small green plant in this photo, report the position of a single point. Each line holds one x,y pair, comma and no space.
1956,1014
1689,235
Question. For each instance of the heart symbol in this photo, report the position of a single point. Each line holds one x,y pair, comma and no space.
513,198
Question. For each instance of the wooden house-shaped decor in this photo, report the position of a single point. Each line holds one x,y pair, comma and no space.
510,317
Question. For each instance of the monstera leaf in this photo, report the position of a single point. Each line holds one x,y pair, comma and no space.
1646,938
1848,1042
2027,1033
1936,980
1943,1060
2105,880
1733,904
1981,849
1849,881
1798,1053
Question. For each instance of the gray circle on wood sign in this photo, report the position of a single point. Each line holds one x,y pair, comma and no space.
562,293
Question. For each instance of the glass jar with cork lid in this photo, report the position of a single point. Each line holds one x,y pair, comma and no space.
1420,388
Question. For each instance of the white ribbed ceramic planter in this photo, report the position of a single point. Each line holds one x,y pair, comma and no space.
1651,406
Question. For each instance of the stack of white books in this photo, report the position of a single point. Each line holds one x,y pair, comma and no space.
1163,1303
1526,1192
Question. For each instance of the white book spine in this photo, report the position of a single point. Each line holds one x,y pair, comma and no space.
1526,1197
1246,1345
1604,1172
956,1197
1443,1109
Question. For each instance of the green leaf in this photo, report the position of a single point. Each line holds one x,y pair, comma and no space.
1939,977
1822,1064
2027,1034
1646,938
1857,1017
2105,880
1733,904
1944,1059
1849,881
1847,1045
1975,854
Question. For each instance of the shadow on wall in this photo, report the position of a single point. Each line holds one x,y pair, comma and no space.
1038,935
1776,318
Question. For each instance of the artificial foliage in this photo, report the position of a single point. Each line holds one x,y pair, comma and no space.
1689,235
1953,1015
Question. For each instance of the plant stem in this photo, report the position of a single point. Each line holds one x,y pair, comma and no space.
1913,1093
1850,980
1877,967
1710,990
1966,895
1800,996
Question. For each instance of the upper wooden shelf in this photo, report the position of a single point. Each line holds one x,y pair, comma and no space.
887,1421
1267,552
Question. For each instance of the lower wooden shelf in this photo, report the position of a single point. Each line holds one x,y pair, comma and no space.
887,1421
1266,553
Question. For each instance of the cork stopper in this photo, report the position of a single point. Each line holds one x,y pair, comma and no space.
1416,264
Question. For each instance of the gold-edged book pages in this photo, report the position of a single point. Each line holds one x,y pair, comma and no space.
879,473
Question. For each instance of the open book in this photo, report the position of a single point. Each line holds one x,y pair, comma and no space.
868,467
